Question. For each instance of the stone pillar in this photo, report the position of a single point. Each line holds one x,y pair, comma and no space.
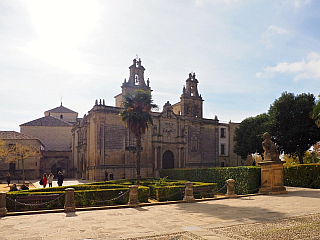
188,193
133,196
230,188
3,210
272,177
69,205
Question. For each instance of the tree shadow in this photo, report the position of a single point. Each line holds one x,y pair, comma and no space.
231,213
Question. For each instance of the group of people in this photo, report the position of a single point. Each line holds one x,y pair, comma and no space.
14,186
49,179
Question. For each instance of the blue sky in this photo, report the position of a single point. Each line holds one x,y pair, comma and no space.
244,53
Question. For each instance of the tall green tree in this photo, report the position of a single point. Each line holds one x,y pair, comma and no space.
316,112
292,126
248,136
137,115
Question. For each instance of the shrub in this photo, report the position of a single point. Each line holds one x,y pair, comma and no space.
248,179
302,175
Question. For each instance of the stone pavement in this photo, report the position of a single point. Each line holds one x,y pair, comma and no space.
295,215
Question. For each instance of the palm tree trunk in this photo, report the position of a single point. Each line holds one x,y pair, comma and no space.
138,138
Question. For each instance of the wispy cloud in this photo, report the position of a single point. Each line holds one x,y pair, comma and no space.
271,32
305,69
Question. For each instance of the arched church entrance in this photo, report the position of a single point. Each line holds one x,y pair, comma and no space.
55,170
167,160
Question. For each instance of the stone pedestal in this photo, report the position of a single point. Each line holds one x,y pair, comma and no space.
133,196
188,193
230,188
3,210
272,177
69,205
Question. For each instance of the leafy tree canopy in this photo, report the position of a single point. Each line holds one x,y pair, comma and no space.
291,123
248,136
18,152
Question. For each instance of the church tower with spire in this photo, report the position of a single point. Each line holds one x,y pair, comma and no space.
136,81
191,103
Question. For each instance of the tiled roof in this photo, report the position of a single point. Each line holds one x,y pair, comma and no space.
13,135
61,109
48,121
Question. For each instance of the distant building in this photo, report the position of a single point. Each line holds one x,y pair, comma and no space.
31,165
179,138
54,131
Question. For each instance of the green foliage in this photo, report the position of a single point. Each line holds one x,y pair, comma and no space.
10,205
316,112
248,136
292,126
304,175
248,179
173,191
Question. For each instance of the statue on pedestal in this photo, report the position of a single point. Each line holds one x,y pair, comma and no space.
270,149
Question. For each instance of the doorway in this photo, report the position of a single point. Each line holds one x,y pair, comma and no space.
167,160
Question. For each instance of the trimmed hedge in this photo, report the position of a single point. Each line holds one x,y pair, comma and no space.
302,175
248,179
82,198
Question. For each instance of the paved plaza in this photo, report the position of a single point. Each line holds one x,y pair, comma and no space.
295,215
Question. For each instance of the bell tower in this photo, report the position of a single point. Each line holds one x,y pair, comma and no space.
191,103
136,81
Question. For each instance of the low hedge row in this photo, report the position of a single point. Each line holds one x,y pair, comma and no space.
302,175
248,179
82,198
174,192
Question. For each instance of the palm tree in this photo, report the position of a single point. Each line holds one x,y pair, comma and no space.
137,115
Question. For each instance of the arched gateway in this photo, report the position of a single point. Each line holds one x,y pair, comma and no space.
167,160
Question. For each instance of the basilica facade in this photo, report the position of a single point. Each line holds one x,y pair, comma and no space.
179,138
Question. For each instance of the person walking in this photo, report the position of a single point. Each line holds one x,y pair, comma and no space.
8,179
60,178
105,175
44,180
50,179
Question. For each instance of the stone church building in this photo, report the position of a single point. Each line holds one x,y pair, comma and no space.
179,138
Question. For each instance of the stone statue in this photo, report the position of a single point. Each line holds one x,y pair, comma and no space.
270,150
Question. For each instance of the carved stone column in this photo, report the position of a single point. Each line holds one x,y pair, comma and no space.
69,205
272,178
188,193
133,196
230,188
3,210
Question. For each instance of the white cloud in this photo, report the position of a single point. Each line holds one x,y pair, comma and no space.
305,69
271,33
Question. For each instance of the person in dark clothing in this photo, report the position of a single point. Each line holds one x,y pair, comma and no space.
8,178
60,178
111,176
13,188
105,175
24,187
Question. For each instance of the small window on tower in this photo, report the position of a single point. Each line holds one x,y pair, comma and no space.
61,116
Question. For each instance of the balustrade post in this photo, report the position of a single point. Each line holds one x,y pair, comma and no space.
230,188
133,196
3,210
188,193
69,205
